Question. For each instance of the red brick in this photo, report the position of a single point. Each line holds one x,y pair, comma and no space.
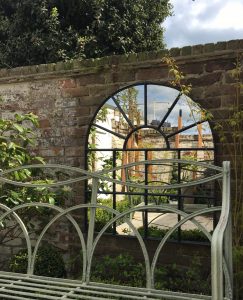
72,131
44,123
123,76
67,102
192,68
91,79
220,114
84,120
215,65
227,101
76,112
209,47
75,92
207,79
91,100
50,152
187,50
211,102
241,44
241,74
101,93
218,90
229,77
74,141
197,49
76,161
93,109
220,46
175,51
197,93
152,73
73,151
233,45
67,83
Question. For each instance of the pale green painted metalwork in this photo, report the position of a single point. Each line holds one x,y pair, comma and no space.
30,286
24,230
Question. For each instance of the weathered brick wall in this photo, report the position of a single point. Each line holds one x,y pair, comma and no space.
66,95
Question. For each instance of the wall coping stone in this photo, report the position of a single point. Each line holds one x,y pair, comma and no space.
72,68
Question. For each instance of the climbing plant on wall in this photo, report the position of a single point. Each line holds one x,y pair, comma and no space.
17,143
16,138
229,132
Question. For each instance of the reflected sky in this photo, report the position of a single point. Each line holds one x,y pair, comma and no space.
160,99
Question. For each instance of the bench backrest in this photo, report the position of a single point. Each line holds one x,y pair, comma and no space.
221,252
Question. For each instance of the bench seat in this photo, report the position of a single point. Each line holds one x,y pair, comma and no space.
21,287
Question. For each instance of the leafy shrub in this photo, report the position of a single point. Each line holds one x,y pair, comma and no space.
187,235
123,269
17,139
238,271
188,280
104,216
17,136
49,262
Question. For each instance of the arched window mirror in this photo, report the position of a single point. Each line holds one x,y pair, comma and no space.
144,122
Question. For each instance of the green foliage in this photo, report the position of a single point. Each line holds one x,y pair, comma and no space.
44,31
152,199
103,216
176,75
188,280
49,262
129,103
118,270
123,269
187,235
16,136
16,139
238,271
92,142
177,80
126,26
31,33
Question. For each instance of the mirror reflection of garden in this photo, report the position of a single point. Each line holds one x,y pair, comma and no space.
149,122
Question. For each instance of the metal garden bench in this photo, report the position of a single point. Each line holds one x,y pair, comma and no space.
30,286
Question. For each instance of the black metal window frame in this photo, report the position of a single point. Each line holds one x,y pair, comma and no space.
165,136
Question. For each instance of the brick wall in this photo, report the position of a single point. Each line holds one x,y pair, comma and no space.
66,95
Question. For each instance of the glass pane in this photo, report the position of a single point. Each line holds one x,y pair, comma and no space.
131,101
146,138
160,99
186,111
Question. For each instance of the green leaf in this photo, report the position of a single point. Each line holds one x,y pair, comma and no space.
51,200
18,128
16,175
40,159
